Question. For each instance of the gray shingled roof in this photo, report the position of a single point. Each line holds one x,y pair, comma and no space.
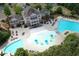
18,17
28,11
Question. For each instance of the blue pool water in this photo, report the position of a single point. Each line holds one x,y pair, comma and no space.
44,38
67,25
11,48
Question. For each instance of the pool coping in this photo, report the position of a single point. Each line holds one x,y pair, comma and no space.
3,49
60,17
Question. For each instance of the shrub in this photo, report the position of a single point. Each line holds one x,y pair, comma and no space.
21,52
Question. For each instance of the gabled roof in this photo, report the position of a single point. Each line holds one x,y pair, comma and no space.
16,17
28,11
44,12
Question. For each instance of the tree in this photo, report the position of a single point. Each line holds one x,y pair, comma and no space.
59,50
21,52
51,14
7,11
17,9
4,36
70,38
70,6
58,11
38,6
76,52
73,12
49,7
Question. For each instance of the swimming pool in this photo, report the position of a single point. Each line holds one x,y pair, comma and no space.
41,40
36,41
12,47
67,25
44,37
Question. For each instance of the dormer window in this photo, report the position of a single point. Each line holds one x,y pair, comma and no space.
33,17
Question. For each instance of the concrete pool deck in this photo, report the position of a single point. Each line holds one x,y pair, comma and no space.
29,32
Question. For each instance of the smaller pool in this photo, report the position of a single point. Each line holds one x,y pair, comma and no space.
11,48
